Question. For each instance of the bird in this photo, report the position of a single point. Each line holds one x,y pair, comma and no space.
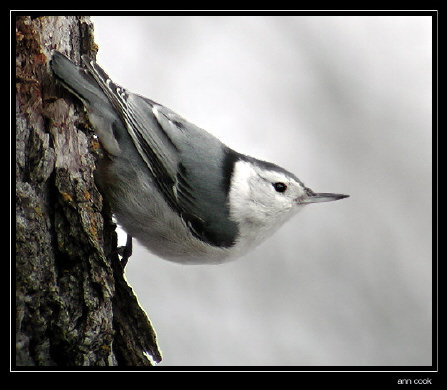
174,187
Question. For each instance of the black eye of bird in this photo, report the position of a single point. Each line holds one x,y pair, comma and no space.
280,187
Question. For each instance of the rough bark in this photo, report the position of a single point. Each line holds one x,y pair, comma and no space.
73,305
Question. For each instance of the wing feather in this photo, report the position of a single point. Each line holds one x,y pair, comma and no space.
191,187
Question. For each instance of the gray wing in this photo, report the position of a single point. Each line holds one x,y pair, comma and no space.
191,167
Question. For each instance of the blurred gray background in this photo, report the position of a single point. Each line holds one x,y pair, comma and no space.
345,104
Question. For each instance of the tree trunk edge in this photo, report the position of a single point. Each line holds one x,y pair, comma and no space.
73,304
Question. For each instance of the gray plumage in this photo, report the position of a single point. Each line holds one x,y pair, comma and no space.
170,182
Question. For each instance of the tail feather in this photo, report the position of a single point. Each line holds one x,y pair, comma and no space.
77,80
82,84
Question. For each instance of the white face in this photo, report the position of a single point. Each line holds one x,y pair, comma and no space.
261,200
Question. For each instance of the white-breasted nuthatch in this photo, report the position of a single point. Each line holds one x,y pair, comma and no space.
174,187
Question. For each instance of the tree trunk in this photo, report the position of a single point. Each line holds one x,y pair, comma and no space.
73,305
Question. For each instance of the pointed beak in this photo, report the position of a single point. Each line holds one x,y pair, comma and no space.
313,197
